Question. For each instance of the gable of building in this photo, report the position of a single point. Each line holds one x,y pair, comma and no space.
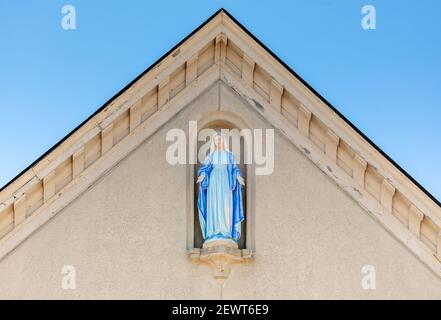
221,49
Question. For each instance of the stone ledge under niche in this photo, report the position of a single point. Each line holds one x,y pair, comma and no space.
222,255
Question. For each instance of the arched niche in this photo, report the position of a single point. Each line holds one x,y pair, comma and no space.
218,121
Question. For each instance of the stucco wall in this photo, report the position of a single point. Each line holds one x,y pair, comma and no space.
126,236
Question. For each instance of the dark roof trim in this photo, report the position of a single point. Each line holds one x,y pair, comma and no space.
275,57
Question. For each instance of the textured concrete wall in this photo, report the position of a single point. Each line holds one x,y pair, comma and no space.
126,236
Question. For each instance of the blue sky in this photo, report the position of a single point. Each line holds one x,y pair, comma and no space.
386,81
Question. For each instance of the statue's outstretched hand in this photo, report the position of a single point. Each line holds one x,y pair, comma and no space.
241,180
200,178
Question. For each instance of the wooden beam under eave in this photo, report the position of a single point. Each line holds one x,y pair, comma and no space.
387,195
135,115
304,120
220,48
107,138
191,70
331,145
19,210
359,170
49,186
415,219
78,163
276,92
163,92
438,245
248,66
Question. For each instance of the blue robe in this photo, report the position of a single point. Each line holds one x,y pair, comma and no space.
220,197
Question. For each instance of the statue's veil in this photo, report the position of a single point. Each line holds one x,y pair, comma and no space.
224,141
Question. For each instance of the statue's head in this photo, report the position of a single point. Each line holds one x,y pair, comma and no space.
218,142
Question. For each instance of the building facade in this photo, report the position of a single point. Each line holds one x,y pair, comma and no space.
105,215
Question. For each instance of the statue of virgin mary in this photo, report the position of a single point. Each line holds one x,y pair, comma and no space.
220,193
